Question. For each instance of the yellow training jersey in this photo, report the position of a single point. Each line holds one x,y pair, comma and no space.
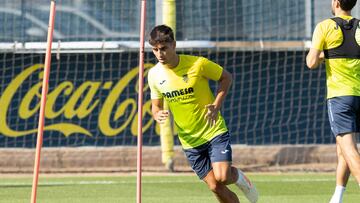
186,89
342,74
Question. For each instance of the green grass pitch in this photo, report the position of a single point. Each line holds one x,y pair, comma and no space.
178,188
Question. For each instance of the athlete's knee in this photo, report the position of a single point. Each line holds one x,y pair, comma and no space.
350,153
216,187
222,178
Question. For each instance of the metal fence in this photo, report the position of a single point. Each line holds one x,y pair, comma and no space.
118,20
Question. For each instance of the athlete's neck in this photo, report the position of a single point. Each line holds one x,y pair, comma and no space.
342,13
174,62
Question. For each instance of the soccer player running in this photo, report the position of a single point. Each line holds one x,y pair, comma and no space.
183,81
337,40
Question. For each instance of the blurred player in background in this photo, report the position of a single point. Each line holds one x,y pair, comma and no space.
167,132
337,40
183,81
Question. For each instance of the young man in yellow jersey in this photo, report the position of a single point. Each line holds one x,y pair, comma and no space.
183,81
337,40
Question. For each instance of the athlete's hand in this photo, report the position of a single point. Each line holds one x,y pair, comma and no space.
212,114
161,116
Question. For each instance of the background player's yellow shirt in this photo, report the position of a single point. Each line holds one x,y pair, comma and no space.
342,74
186,89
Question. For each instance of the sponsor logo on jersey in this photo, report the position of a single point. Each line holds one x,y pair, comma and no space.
178,92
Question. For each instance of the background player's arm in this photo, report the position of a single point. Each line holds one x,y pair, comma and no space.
223,88
159,114
314,58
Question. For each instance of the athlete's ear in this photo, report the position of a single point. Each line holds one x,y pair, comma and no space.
174,44
337,3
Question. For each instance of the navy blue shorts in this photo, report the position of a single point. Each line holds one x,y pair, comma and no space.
344,114
201,157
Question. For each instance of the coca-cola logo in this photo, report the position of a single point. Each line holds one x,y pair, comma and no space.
80,103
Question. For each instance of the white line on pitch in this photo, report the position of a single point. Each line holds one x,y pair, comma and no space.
55,183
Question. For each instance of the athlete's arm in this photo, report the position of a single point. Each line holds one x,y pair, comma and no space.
224,85
314,58
159,114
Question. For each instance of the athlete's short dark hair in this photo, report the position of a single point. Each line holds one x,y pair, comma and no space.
161,34
347,5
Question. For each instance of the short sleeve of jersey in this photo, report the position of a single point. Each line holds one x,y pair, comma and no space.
154,92
318,39
210,69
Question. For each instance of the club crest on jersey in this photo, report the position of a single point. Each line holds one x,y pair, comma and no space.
185,78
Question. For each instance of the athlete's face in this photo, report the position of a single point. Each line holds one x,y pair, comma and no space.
165,52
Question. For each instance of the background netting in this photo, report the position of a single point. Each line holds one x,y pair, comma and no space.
274,98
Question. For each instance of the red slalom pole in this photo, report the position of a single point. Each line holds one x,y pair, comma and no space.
140,100
43,101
